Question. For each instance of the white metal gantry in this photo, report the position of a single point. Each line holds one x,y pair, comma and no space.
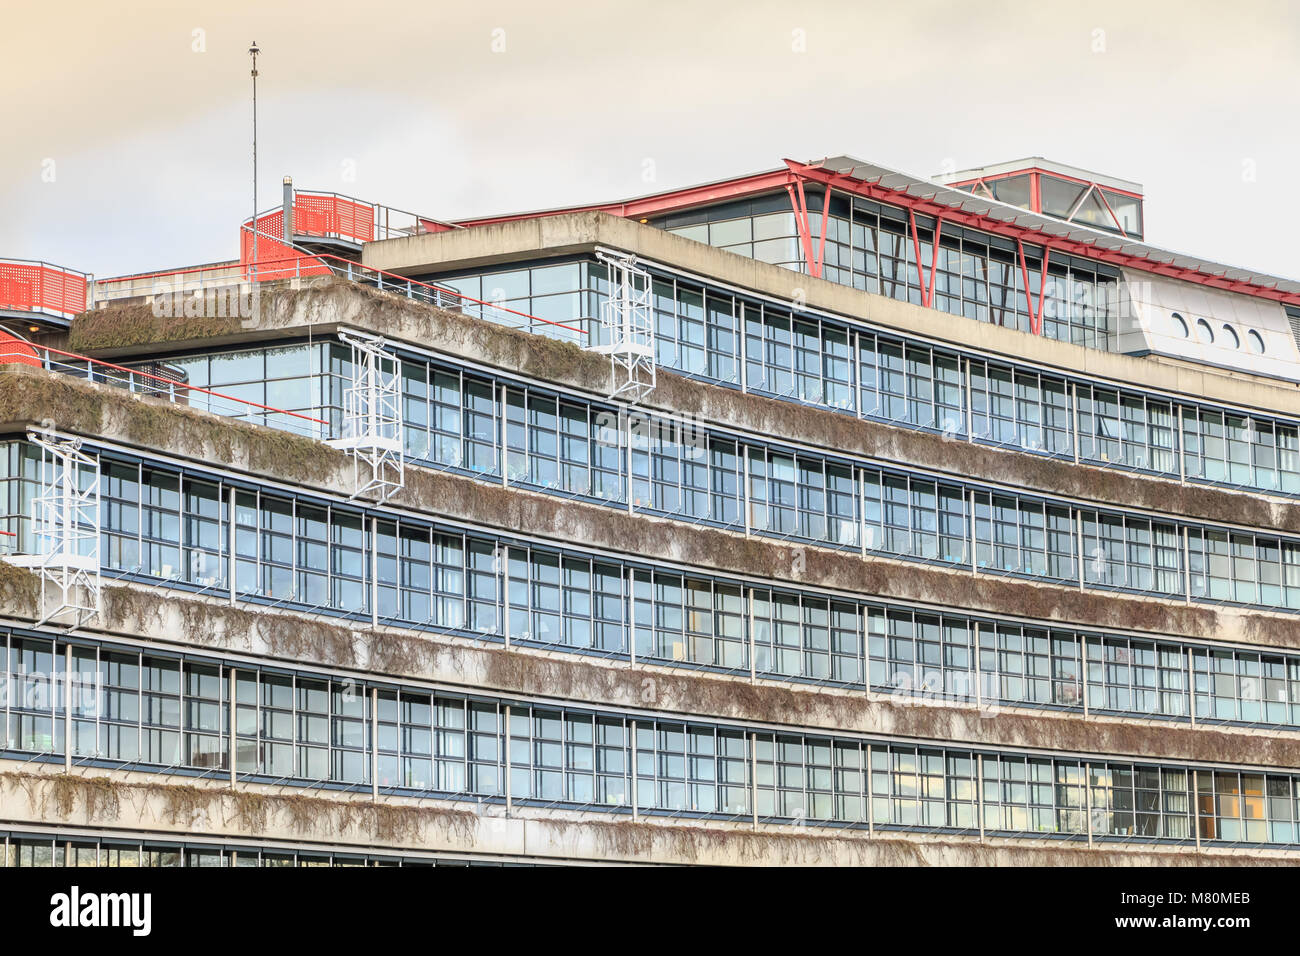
628,328
372,416
65,531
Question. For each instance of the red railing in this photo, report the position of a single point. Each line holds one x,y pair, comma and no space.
297,264
317,216
275,258
331,215
437,295
27,286
14,350
267,227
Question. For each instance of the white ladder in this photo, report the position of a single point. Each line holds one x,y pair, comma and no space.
627,324
372,417
66,531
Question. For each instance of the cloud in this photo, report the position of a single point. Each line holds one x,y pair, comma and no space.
461,110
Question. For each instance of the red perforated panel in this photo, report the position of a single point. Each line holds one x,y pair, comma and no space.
333,216
36,287
15,351
270,224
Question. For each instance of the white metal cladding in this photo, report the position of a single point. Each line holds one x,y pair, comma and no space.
372,416
627,326
66,531
1209,326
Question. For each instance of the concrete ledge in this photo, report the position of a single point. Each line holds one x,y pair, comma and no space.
319,306
28,395
534,672
139,801
209,626
568,233
668,690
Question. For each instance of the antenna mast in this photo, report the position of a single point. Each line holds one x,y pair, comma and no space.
253,51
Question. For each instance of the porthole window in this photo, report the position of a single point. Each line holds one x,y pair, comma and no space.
1180,326
1204,333
1230,337
1256,342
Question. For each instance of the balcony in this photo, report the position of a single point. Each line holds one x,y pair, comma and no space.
41,294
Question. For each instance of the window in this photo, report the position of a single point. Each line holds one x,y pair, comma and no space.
416,740
160,525
1180,326
160,714
204,511
205,701
1256,342
1204,334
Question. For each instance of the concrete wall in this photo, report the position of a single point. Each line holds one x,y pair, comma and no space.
127,802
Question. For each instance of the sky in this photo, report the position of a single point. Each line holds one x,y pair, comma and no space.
129,125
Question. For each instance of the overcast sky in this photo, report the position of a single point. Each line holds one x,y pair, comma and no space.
127,125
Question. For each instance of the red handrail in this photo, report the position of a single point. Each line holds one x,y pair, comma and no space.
318,257
325,213
171,382
453,292
33,286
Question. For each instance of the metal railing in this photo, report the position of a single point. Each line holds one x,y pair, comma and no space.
31,285
298,265
140,382
194,278
444,298
332,215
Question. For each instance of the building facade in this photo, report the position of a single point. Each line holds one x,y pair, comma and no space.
820,516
